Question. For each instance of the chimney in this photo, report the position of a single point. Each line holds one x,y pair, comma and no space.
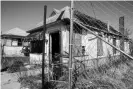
121,30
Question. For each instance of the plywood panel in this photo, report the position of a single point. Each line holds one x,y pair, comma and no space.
90,43
65,37
13,51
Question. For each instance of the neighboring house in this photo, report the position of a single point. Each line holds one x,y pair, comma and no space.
85,44
12,42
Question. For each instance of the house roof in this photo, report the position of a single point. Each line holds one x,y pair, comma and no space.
59,14
64,13
16,31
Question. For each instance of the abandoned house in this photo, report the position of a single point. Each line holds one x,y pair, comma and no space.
85,44
12,42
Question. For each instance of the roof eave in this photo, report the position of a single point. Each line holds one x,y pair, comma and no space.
11,36
47,25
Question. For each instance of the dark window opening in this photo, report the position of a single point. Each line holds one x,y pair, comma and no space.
55,48
14,42
77,48
36,46
55,37
99,46
19,42
83,50
114,43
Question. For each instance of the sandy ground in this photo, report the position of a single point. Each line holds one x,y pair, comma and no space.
9,81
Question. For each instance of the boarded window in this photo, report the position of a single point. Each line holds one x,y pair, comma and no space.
77,49
36,46
19,42
114,43
99,47
25,43
8,42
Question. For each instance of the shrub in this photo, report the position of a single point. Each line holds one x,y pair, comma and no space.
34,82
7,62
15,67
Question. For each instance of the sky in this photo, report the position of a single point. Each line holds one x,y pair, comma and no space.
27,14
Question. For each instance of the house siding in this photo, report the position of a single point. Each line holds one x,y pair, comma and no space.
13,51
90,43
65,37
88,40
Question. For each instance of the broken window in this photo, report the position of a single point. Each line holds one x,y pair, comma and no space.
77,49
36,46
99,46
14,42
19,42
114,43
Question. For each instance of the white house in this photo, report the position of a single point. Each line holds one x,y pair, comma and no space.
86,45
12,42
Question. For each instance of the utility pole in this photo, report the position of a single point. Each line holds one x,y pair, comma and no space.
70,47
43,55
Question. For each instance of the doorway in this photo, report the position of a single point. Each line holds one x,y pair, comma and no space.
55,45
55,50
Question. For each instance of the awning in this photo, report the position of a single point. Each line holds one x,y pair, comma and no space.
34,36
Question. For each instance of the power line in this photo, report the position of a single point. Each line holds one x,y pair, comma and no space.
108,8
104,27
104,40
94,28
123,7
118,10
83,14
104,12
128,3
93,9
87,25
95,21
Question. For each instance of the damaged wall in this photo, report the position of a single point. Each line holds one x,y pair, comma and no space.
13,51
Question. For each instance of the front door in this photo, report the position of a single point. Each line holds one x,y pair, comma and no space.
55,51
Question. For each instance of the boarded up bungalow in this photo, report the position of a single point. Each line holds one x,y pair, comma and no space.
85,44
12,42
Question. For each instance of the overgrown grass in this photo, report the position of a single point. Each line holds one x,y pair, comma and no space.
7,62
35,82
115,74
17,66
93,79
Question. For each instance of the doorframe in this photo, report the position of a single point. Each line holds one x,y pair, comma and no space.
60,44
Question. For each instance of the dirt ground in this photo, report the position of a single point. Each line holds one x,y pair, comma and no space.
9,81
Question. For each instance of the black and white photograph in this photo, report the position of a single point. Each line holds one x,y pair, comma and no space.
66,44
